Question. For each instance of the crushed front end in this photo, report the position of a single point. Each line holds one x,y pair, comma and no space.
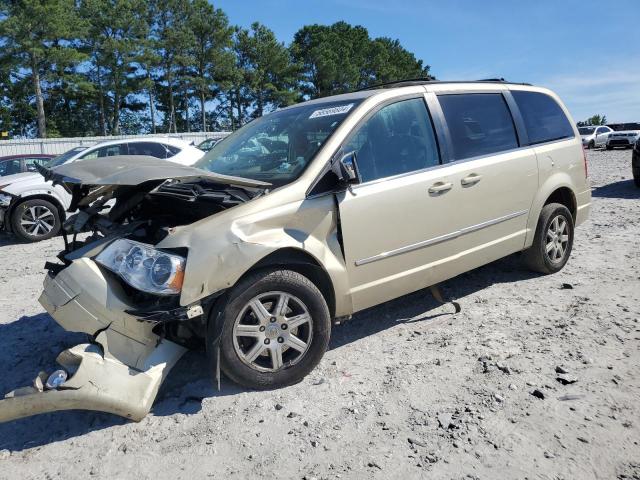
112,283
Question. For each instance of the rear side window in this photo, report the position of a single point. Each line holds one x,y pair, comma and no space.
172,150
479,124
108,151
543,118
10,167
30,163
397,139
148,148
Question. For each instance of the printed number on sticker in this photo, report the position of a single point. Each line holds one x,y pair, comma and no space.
325,112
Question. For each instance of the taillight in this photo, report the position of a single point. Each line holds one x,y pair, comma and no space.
584,157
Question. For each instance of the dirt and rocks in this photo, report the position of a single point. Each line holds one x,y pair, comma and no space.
537,377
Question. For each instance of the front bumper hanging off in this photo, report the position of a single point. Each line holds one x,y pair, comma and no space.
97,383
120,372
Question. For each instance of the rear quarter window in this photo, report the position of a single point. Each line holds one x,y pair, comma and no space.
543,118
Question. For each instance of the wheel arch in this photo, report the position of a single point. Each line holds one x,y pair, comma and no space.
304,263
557,189
564,196
36,196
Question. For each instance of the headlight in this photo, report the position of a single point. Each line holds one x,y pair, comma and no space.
5,200
144,267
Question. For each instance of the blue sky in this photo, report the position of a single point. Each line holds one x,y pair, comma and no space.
588,51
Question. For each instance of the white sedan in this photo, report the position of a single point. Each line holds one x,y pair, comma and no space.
34,209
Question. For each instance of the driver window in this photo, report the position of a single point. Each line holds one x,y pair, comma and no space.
398,138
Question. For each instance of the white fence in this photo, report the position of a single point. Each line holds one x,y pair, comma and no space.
55,146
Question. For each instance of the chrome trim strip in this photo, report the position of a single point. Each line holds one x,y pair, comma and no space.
440,239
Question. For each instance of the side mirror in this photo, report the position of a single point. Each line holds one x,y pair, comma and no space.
346,168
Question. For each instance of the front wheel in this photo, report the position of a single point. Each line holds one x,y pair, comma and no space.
553,240
591,145
276,328
35,220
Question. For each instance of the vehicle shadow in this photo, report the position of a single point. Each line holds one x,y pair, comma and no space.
7,239
621,189
31,344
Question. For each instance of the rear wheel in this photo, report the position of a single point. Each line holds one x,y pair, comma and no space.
276,328
553,240
35,220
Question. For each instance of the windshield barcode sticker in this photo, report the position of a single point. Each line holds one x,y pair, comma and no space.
325,112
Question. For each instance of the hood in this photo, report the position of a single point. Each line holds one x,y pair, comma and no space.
131,170
18,177
619,133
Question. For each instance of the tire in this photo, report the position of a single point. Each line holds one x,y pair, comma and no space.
537,257
269,369
636,177
609,147
35,220
591,145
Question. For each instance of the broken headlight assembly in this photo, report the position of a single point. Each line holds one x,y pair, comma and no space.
144,267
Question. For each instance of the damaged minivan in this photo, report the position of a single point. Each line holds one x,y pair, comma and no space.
300,218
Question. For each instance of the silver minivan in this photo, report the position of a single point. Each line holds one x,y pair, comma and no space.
306,215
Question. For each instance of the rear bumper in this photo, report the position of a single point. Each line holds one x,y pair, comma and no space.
119,373
583,202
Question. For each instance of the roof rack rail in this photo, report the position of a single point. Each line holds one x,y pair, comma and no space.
426,81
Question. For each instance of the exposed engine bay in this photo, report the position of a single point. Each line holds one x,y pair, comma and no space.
148,210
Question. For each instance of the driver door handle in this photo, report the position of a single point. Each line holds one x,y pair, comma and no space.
440,187
471,180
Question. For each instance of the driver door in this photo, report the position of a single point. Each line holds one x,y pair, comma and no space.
396,223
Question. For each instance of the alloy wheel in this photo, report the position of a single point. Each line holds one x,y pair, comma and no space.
37,220
557,239
273,330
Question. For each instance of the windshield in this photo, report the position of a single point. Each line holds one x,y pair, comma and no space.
277,147
60,159
586,130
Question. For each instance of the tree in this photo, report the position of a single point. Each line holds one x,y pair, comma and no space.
173,41
117,30
40,35
210,56
341,58
594,120
270,77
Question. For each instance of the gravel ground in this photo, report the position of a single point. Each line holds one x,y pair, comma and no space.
407,389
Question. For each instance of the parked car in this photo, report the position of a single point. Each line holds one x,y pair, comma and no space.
34,209
625,139
208,144
12,164
351,201
635,163
594,136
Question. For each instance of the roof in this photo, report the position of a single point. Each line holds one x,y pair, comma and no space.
27,155
169,140
421,81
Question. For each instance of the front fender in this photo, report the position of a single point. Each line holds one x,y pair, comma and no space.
221,252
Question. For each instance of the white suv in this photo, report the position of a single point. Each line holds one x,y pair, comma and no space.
34,209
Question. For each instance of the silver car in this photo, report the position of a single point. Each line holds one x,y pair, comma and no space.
594,136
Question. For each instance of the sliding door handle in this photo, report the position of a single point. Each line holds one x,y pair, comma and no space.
440,187
471,180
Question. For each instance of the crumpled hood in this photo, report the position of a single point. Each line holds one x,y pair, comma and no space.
131,170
